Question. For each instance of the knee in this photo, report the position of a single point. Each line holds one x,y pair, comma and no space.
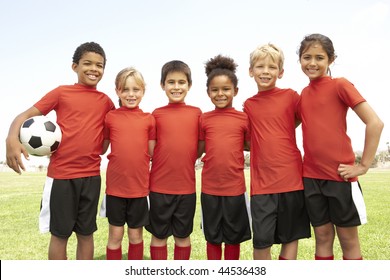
135,237
324,234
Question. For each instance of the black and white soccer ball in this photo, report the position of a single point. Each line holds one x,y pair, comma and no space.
40,136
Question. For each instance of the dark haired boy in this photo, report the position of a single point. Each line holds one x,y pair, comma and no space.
172,178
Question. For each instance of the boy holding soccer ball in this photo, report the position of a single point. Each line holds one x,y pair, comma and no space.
73,183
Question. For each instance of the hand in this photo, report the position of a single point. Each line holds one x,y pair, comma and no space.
14,151
347,172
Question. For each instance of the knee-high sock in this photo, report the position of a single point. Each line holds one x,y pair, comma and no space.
320,258
114,254
136,251
214,251
158,252
182,253
232,252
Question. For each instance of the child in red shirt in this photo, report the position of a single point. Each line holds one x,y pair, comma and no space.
131,133
223,133
73,178
277,201
172,178
333,195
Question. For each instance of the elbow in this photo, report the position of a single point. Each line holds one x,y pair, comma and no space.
376,125
380,125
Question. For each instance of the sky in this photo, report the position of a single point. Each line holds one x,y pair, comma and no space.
38,39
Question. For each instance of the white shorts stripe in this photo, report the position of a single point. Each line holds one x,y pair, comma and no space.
102,212
248,209
357,198
201,220
44,215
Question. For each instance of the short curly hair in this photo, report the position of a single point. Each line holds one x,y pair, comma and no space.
88,47
221,66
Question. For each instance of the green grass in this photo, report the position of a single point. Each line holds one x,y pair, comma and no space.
20,239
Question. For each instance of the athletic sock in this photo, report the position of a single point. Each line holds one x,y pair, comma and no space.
358,259
182,253
214,251
232,252
114,254
319,258
282,258
136,251
159,252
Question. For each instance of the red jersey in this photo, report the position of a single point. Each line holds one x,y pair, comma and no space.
173,163
80,114
324,105
276,162
224,132
129,132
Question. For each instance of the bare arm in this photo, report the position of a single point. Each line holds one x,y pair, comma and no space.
373,131
201,148
151,145
106,144
297,123
247,146
14,148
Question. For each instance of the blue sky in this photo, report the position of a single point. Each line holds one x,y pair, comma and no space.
38,39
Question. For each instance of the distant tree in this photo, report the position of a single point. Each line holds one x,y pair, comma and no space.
358,159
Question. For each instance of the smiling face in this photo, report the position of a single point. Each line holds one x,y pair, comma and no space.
176,87
315,61
131,94
221,91
266,71
89,69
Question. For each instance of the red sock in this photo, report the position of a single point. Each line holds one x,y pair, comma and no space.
232,252
358,259
282,258
182,253
136,251
159,252
214,251
329,258
114,254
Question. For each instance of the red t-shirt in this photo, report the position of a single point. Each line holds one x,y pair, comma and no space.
80,114
276,162
173,163
129,132
324,105
224,132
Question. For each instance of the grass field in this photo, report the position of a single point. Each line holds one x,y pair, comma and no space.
20,239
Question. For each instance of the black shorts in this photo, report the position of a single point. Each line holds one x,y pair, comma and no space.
340,203
70,205
132,211
225,219
171,215
279,218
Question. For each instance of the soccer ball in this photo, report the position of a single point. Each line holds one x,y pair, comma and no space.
40,136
